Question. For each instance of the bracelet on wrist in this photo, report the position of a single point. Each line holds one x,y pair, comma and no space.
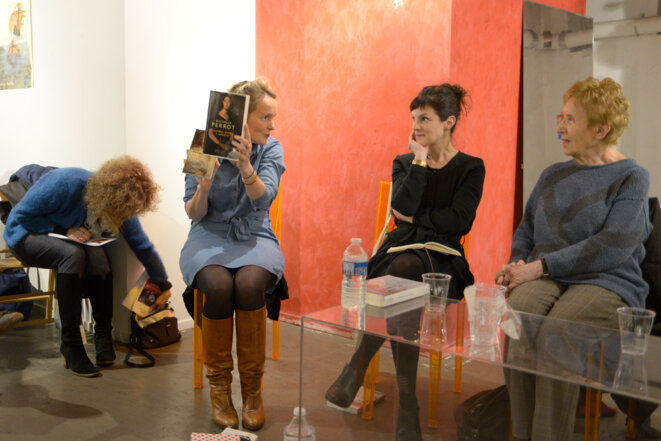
244,179
250,180
420,162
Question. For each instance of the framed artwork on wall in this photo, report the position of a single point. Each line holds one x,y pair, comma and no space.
15,45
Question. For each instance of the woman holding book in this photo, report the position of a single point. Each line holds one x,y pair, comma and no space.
577,252
233,257
435,193
84,206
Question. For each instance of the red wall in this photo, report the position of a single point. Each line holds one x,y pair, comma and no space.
345,72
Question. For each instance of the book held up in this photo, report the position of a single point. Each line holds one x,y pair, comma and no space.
433,246
226,118
388,290
197,163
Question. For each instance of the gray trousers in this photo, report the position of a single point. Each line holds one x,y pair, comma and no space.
44,251
544,409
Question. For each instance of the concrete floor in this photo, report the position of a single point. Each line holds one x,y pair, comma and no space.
40,400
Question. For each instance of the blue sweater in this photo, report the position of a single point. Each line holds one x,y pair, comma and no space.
590,224
56,201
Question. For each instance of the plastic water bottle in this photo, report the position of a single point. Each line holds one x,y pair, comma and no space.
291,432
354,273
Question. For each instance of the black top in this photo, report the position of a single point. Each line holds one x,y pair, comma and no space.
443,203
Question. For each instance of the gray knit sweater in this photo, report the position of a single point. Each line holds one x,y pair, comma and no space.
590,224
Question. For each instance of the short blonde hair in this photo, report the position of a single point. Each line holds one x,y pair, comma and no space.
257,89
122,188
604,103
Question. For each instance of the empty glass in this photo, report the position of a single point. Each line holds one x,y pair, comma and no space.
635,327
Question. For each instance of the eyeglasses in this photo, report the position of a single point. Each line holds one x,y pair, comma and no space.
560,118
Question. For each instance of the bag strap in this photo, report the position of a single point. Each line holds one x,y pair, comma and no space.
134,344
142,352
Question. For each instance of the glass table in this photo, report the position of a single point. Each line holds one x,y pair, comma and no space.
584,355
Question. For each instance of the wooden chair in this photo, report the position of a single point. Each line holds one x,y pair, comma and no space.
10,262
198,299
384,224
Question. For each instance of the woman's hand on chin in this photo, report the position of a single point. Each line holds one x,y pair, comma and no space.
419,150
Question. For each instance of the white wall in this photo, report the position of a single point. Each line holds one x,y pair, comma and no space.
74,115
176,52
114,77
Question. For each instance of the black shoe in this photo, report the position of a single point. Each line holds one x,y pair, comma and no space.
105,353
645,430
344,389
408,423
76,359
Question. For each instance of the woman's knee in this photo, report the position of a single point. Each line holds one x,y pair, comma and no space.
535,297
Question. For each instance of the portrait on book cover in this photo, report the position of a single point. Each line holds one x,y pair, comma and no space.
224,121
16,45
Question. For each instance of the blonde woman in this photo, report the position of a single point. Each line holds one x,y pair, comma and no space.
83,206
233,256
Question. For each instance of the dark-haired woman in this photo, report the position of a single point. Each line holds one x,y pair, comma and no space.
436,191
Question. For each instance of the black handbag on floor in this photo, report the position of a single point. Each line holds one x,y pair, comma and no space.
155,335
484,417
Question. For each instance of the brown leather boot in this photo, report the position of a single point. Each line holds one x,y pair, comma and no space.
250,351
217,343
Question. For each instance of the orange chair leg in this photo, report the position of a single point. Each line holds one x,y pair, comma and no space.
369,385
435,360
275,340
198,360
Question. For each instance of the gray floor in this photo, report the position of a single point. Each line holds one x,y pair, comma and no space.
40,400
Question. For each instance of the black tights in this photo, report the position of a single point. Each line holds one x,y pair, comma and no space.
408,266
228,289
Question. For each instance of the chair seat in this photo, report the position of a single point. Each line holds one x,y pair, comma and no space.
8,263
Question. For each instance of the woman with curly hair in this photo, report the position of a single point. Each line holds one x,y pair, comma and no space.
233,256
85,206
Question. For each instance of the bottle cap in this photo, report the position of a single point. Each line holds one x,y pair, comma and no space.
356,240
299,411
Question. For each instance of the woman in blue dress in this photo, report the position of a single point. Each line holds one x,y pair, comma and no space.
233,256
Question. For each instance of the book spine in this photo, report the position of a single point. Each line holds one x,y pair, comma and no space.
400,297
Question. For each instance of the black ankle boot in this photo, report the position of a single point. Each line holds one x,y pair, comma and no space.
105,353
76,359
99,291
408,421
69,289
344,389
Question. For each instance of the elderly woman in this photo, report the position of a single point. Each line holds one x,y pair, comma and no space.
576,254
83,206
233,256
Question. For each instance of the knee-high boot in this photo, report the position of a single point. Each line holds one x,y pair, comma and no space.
69,290
217,343
99,290
250,351
406,366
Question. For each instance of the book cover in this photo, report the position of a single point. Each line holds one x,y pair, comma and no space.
388,290
356,407
433,246
197,163
227,115
93,242
141,298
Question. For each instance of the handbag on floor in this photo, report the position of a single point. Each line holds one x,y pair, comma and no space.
484,417
154,331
